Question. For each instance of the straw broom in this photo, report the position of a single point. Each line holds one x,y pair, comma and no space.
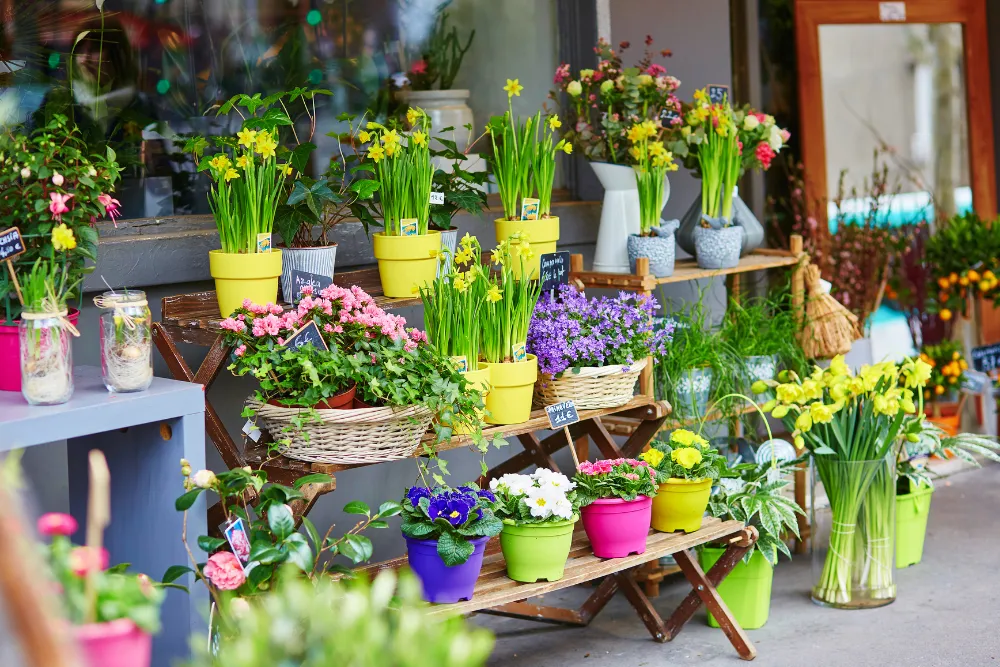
830,328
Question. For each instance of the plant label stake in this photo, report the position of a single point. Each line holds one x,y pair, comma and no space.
553,270
317,281
670,117
98,518
307,334
12,245
718,93
561,415
437,198
987,358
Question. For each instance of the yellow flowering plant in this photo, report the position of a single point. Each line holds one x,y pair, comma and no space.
710,132
854,425
652,162
685,455
454,302
509,302
513,153
546,147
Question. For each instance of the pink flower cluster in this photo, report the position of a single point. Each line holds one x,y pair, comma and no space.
765,154
607,466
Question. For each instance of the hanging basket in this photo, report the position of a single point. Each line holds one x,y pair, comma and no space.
590,387
365,435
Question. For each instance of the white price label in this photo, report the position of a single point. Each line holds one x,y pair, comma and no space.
251,430
437,197
892,12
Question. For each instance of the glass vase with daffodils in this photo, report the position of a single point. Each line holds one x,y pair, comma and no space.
509,302
853,425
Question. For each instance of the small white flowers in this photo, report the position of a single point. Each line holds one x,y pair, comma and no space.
544,493
57,179
26,172
515,485
750,122
204,479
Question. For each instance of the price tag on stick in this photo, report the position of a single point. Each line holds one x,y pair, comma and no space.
12,245
718,93
986,359
98,518
307,334
561,415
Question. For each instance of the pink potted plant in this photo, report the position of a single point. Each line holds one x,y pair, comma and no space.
616,496
115,614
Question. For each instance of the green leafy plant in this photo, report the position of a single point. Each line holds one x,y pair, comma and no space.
509,303
933,441
345,622
686,455
450,516
756,497
270,527
453,304
441,59
513,156
52,188
765,326
626,479
463,190
297,377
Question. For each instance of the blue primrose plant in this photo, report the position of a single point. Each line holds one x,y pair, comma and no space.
452,517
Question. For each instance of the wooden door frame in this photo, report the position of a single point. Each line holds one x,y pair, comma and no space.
971,14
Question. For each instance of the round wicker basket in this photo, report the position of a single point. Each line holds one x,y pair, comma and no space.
364,435
590,387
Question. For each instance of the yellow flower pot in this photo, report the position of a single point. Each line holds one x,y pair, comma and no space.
680,504
542,236
406,263
509,400
480,379
240,276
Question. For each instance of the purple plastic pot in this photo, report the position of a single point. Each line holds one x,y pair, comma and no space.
440,582
616,527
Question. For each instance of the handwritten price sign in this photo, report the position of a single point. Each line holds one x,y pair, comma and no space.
562,414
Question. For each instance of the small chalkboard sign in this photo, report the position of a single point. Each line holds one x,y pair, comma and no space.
669,117
12,245
718,93
562,414
308,334
986,359
302,278
553,270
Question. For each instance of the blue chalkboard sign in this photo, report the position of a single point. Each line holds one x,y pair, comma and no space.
986,359
11,244
718,93
310,333
562,414
302,278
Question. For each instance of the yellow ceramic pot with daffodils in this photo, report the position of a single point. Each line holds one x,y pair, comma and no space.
509,301
406,250
686,467
524,157
247,186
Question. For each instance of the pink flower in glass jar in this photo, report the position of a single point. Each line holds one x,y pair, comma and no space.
223,569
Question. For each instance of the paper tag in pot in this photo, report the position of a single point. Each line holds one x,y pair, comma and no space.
263,243
408,226
437,198
529,209
251,430
461,362
518,352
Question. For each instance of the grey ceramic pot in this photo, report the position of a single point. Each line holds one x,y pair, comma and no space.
743,217
658,249
319,260
693,390
449,242
717,248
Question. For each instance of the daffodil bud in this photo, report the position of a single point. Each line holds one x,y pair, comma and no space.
769,406
799,441
758,387
780,412
912,437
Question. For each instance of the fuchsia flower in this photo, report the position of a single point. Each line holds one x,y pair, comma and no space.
112,206
56,523
57,205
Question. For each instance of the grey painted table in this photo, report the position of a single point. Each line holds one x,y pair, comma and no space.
143,436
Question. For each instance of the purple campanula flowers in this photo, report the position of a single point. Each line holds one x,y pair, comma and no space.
569,330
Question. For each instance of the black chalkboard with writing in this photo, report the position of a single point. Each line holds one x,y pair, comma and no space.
718,93
302,278
11,244
308,334
669,117
986,359
562,414
553,270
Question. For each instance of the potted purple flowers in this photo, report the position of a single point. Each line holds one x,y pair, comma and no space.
591,351
446,532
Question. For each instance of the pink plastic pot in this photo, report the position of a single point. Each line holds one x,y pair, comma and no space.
10,353
114,644
616,527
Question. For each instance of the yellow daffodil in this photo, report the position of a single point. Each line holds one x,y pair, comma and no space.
231,174
419,138
247,137
916,373
243,161
220,163
63,238
372,125
265,144
364,136
804,421
789,393
780,411
799,442
820,413
686,457
513,88
412,115
376,152
468,240
701,96
286,169
653,457
567,147
554,123
464,255
838,367
391,149
460,284
390,137
494,294
636,134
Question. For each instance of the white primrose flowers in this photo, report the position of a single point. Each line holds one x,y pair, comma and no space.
544,494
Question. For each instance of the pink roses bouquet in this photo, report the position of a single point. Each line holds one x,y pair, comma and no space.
614,478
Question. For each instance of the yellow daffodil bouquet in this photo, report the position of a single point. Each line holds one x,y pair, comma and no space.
513,154
854,425
401,163
509,302
248,183
652,162
454,302
686,455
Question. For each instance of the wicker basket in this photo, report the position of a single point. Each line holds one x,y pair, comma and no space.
365,435
591,387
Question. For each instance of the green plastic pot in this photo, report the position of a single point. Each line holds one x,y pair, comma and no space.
536,551
912,510
747,589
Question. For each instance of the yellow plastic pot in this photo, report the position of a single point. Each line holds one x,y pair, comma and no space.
680,504
542,236
406,263
480,379
241,276
513,384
